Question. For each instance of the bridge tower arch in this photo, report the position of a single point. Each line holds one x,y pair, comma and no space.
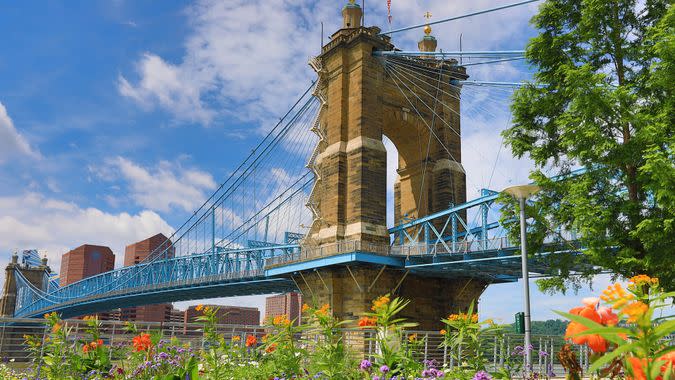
362,101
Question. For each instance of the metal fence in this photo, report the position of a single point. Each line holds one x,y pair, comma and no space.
498,351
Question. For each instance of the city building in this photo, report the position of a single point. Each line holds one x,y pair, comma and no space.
288,304
85,261
177,316
152,246
227,315
139,252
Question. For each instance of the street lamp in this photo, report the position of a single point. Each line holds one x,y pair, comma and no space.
522,192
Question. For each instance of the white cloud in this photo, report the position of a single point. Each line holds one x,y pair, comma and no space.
247,58
12,143
167,86
161,188
54,226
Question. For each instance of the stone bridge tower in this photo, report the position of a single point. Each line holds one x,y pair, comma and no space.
37,276
361,104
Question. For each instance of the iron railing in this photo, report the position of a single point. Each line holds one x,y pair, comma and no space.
496,350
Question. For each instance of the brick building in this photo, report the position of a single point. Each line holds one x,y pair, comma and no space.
85,261
177,316
227,315
137,253
288,304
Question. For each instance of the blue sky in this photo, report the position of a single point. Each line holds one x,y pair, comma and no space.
118,118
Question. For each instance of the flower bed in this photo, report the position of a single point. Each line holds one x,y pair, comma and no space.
624,334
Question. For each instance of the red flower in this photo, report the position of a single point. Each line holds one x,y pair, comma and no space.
251,341
367,322
142,342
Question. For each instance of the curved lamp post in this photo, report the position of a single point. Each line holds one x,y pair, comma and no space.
522,192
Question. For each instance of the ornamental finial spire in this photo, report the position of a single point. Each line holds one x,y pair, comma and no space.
427,28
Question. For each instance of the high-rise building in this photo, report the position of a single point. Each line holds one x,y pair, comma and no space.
227,315
139,252
152,246
288,304
85,261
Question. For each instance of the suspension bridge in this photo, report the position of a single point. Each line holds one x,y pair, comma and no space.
306,210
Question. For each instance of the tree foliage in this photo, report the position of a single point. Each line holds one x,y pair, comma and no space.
602,99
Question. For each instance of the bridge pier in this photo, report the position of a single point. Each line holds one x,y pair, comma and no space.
363,100
351,289
11,293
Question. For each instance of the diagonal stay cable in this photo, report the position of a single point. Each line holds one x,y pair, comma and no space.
412,105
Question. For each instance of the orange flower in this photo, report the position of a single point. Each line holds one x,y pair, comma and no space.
380,303
412,337
271,348
642,280
367,322
594,341
281,320
637,366
56,328
305,307
100,342
251,341
635,311
463,317
443,332
142,342
199,307
236,338
324,310
85,348
607,317
574,328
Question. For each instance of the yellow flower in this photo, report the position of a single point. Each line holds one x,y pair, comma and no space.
635,311
236,338
199,307
412,337
616,296
207,309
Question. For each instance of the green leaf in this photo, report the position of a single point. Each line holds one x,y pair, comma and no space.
664,351
664,329
608,357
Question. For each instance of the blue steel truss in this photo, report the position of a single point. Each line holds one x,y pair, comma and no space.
464,240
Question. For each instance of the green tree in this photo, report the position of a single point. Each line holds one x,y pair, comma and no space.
602,99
